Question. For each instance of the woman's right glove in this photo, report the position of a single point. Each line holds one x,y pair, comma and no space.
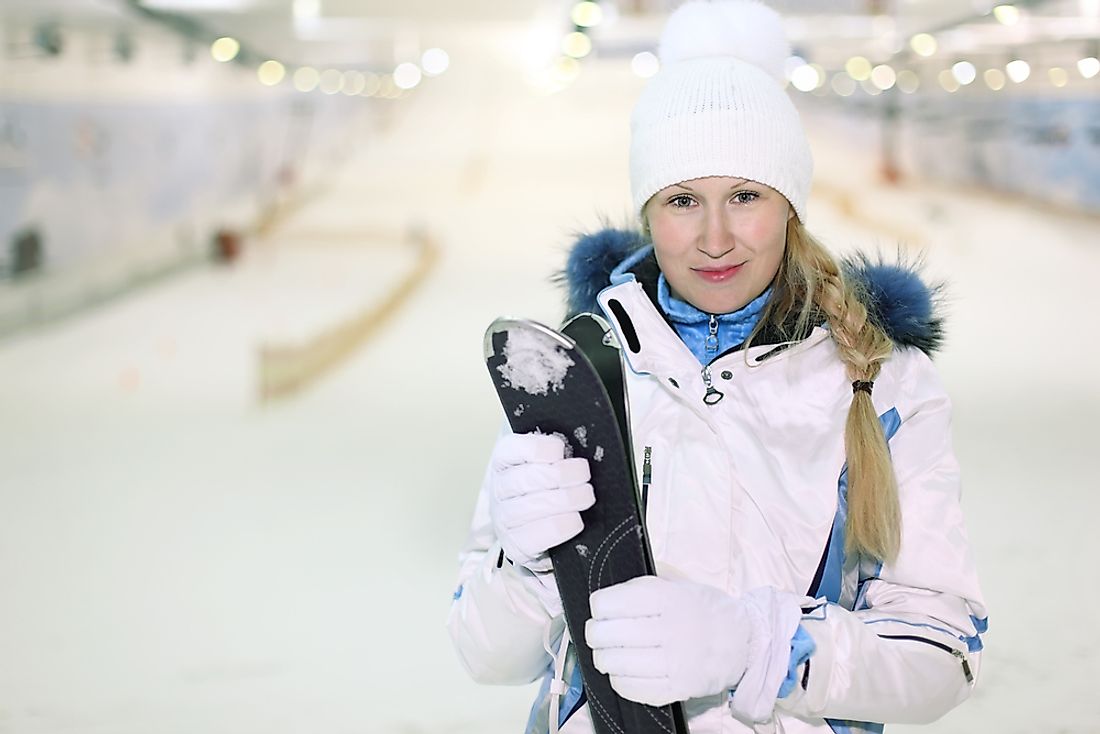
536,496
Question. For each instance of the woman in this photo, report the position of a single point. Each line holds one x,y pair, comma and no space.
813,571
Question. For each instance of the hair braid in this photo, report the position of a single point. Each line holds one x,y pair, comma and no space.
811,285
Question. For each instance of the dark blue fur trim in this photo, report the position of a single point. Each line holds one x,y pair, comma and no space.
591,260
898,300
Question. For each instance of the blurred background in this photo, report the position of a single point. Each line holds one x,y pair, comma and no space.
248,250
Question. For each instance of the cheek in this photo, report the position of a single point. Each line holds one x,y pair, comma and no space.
669,240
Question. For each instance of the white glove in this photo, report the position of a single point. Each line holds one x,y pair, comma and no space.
662,641
536,496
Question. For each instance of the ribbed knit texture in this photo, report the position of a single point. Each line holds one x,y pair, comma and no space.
693,325
718,116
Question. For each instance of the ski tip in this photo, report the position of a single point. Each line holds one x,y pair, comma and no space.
509,324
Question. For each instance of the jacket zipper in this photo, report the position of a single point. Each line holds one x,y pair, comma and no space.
713,395
647,477
946,648
712,336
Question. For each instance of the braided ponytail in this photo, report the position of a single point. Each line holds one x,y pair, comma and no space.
811,287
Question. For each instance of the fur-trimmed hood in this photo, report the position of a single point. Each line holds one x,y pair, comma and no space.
898,300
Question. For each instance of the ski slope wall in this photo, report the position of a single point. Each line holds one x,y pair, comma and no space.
124,171
1040,147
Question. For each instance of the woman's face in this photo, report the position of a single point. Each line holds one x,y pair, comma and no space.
719,240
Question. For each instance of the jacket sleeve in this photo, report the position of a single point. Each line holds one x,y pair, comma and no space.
910,651
502,616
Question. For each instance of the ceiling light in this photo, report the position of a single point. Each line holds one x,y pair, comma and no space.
924,44
843,84
964,72
908,81
884,77
407,75
306,79
587,14
645,64
1018,70
859,68
1058,76
307,8
435,61
1006,14
225,49
948,81
354,82
994,79
332,81
805,78
1089,67
870,88
271,73
577,45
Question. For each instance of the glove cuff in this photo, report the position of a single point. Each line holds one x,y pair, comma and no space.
773,617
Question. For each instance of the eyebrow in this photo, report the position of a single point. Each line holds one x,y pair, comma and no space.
741,182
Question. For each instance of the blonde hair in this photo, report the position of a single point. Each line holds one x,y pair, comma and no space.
809,287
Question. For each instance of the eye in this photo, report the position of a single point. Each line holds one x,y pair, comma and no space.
745,197
681,201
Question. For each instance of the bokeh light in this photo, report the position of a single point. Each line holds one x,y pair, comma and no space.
372,84
225,49
994,79
843,84
354,83
948,81
884,77
576,44
1018,70
332,81
645,64
271,72
1089,67
908,81
587,14
859,68
1059,77
407,75
924,44
435,61
805,78
1006,14
306,79
964,72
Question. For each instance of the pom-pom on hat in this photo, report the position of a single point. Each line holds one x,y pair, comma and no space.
718,106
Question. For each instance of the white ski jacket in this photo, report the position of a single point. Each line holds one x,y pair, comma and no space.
749,491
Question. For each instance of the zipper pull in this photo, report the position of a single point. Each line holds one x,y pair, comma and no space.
712,337
965,665
647,476
713,395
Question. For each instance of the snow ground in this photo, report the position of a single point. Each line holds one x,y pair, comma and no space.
177,557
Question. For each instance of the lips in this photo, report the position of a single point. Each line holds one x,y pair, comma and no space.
717,275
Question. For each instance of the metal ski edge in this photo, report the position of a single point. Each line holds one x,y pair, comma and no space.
507,323
627,439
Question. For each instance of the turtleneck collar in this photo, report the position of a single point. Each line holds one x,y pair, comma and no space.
708,335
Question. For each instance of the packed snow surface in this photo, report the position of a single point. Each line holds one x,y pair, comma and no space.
581,434
534,362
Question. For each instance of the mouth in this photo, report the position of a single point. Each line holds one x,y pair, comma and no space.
718,274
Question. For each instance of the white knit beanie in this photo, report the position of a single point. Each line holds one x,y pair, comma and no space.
718,106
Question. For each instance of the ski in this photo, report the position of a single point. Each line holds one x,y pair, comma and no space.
546,383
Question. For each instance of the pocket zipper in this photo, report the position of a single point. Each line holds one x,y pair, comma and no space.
946,648
647,477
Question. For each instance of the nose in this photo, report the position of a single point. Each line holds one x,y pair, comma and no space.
717,236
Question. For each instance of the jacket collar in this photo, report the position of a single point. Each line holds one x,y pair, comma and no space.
897,298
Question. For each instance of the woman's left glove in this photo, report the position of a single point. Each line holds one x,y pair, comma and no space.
662,641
